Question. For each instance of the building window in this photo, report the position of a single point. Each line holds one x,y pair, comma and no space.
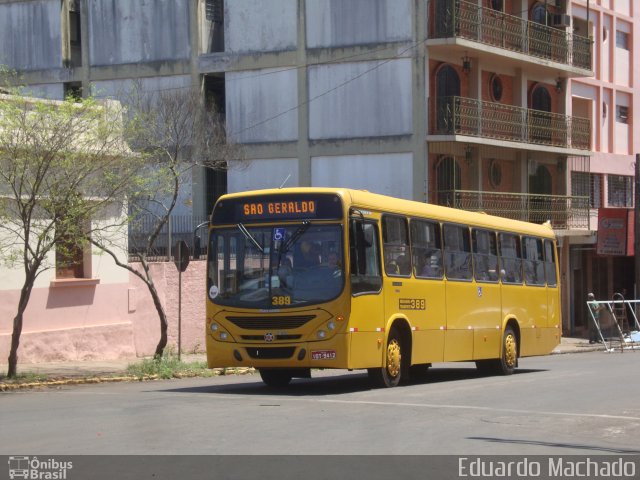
622,114
496,5
495,84
214,11
622,40
620,191
69,253
585,184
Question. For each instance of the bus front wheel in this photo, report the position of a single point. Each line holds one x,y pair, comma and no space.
275,378
391,372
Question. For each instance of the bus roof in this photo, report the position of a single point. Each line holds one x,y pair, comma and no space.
384,203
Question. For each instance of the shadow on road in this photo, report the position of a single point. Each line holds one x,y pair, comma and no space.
336,384
557,445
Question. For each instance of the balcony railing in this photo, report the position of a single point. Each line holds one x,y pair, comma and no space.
458,18
564,212
467,116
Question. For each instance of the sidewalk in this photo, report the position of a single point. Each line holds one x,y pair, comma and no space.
110,370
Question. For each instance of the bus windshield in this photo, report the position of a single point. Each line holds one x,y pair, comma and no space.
276,266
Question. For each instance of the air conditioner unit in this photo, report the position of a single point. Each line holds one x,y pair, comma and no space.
561,20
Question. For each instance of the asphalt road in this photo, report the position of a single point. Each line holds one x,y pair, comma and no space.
585,403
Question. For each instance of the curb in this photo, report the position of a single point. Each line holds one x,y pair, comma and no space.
60,382
585,349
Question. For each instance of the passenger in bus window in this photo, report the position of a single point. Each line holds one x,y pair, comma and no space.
432,267
333,260
404,265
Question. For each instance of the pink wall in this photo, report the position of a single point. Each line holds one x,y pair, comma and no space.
105,322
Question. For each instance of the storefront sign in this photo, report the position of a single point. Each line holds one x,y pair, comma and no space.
614,235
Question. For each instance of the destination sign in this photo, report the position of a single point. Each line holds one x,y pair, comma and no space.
267,208
305,208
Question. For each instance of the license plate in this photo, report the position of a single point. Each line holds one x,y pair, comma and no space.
323,355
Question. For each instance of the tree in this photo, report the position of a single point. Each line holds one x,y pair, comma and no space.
174,130
62,165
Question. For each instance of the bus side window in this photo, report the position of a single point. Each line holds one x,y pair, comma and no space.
550,263
457,250
485,256
510,258
395,237
533,262
425,247
364,250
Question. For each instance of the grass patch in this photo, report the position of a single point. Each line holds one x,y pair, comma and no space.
168,367
28,377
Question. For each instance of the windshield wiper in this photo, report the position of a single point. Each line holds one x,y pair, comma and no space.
249,237
296,235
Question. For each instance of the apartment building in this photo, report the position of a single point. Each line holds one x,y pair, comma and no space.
487,105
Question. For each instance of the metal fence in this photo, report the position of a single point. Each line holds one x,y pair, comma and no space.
459,18
190,229
467,116
564,212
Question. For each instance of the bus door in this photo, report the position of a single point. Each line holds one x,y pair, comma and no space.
460,293
424,297
486,305
534,277
408,297
366,321
515,298
554,320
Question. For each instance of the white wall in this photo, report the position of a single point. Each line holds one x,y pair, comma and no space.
122,31
261,105
263,173
334,23
388,174
260,26
30,37
364,99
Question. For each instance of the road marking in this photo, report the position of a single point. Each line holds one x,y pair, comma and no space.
475,407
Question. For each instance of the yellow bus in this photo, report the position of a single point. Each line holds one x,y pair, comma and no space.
313,278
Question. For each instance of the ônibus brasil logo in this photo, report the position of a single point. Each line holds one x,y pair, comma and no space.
33,468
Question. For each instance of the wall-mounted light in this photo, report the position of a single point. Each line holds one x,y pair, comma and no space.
559,84
466,63
468,155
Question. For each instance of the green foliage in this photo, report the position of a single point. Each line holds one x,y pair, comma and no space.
168,366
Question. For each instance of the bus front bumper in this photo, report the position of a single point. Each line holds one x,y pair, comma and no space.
329,353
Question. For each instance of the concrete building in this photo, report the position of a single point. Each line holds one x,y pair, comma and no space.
609,99
479,104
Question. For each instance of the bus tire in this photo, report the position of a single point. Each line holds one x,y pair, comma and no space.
275,378
508,361
509,358
391,372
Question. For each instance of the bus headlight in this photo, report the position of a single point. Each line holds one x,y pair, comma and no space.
331,325
214,327
223,335
321,334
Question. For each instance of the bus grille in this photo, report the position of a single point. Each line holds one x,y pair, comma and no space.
270,353
271,323
276,337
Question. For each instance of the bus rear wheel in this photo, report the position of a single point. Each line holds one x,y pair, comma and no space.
506,364
391,372
275,378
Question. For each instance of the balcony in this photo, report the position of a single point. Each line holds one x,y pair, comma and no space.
496,121
564,212
466,20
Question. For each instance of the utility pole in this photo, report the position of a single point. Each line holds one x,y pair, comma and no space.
636,227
